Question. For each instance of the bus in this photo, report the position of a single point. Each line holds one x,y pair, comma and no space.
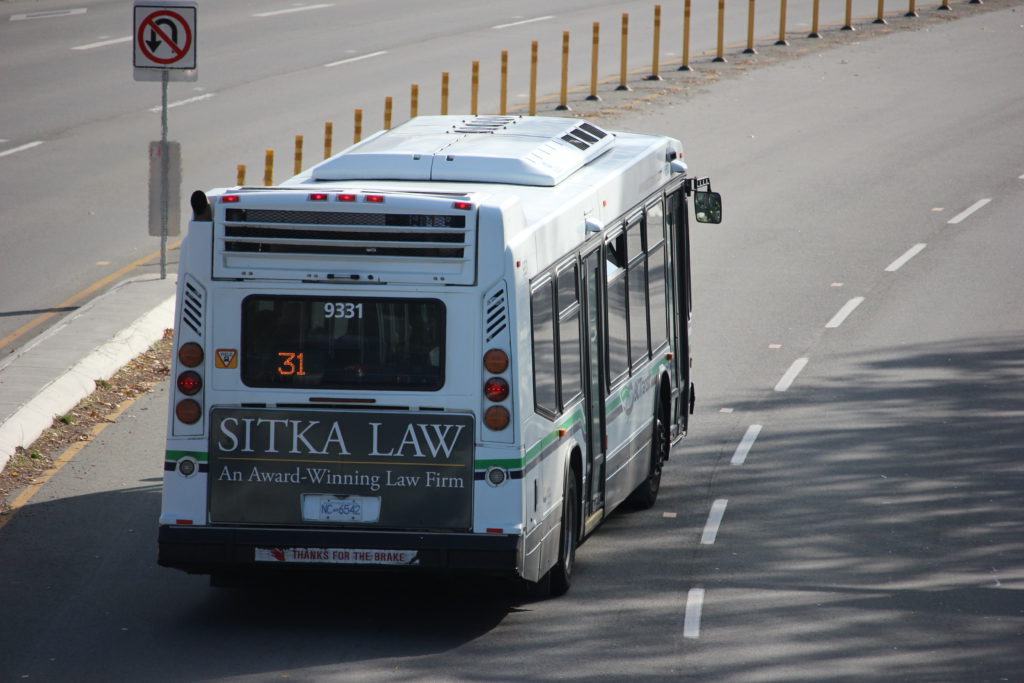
455,346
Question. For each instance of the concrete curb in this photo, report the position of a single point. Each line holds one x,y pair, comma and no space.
72,380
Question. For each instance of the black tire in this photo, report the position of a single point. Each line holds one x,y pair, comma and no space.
561,573
646,495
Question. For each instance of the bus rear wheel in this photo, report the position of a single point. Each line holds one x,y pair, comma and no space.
561,573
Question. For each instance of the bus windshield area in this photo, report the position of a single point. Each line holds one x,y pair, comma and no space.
303,342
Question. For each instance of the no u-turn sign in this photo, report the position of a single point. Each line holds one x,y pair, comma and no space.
165,37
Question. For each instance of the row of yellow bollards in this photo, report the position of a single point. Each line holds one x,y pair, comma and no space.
563,103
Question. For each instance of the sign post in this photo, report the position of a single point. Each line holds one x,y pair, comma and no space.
164,40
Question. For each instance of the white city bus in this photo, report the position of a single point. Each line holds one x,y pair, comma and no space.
457,345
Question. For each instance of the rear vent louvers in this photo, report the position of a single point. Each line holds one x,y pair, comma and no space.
192,304
484,124
495,314
584,136
345,233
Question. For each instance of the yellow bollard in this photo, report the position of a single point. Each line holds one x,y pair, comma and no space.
814,20
298,155
268,168
414,101
593,96
240,174
387,112
720,53
328,138
563,100
504,83
880,17
474,98
945,6
357,133
911,9
625,52
782,24
685,66
848,25
655,62
444,93
750,30
533,79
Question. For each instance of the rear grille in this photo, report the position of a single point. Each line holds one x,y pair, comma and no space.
192,304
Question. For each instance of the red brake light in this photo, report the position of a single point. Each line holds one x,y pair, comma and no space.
463,206
346,197
496,389
230,199
317,197
375,198
189,382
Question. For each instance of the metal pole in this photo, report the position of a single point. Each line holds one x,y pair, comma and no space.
504,83
782,24
625,52
563,98
814,20
533,78
655,61
720,54
685,66
165,170
750,30
593,96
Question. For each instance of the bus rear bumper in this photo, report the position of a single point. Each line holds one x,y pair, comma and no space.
212,550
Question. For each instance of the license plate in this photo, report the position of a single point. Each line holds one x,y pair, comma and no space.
328,507
371,556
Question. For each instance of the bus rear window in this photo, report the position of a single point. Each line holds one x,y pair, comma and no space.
305,342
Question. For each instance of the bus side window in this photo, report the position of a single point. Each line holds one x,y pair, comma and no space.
545,370
618,322
570,352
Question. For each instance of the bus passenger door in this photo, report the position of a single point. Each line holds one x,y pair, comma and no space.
678,225
593,364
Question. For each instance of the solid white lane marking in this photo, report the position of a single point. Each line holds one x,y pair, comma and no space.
844,312
104,43
691,620
22,148
48,14
714,521
290,10
794,370
356,59
740,456
181,103
520,23
968,211
907,255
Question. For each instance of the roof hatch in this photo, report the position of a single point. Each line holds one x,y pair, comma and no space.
522,150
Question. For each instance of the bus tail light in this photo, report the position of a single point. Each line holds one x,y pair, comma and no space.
496,418
190,355
496,361
188,411
496,389
189,383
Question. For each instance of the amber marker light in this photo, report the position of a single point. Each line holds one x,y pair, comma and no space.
496,361
188,411
190,355
497,418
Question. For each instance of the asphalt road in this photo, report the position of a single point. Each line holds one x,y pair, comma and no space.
848,505
75,126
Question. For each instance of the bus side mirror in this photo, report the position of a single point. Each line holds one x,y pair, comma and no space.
707,206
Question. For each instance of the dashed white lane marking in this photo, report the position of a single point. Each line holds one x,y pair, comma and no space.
794,370
290,10
714,521
740,456
691,620
907,255
22,148
520,23
844,312
968,211
356,59
190,100
104,43
48,14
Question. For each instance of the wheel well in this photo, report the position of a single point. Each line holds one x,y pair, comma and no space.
665,403
576,472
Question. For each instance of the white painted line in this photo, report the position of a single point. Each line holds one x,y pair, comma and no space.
104,43
844,312
694,605
48,14
520,23
907,255
356,59
714,521
740,456
968,211
181,103
794,370
22,148
291,10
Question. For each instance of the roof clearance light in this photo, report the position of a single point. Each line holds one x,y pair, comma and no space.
317,197
375,198
230,199
463,206
346,197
